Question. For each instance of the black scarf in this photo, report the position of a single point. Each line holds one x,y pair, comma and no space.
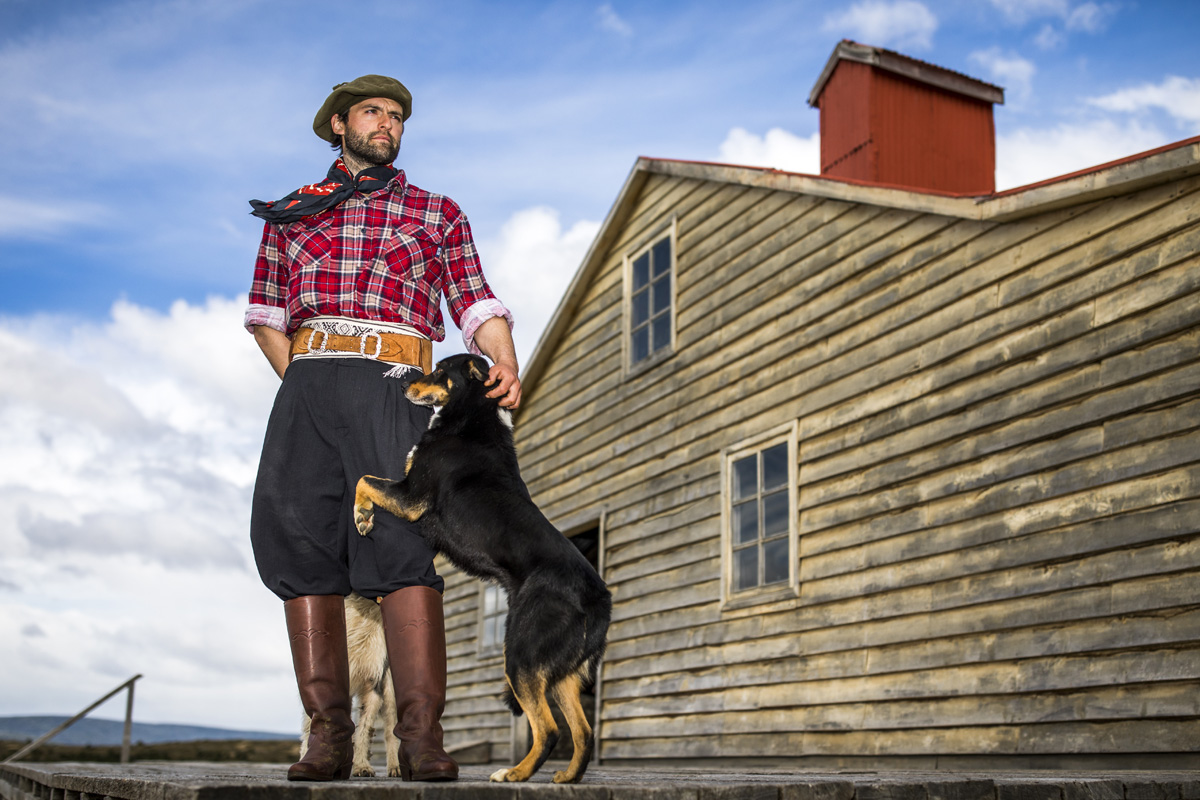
338,185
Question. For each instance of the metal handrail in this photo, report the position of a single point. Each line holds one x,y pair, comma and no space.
124,739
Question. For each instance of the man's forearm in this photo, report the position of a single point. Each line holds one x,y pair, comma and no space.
495,340
275,345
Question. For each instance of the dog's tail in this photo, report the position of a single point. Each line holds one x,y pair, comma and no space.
597,640
511,701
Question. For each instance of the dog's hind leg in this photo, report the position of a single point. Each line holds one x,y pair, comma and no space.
364,732
305,725
530,692
391,742
566,694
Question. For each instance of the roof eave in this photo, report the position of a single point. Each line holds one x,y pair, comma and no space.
1143,170
1139,171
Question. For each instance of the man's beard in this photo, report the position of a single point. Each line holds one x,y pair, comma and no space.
375,153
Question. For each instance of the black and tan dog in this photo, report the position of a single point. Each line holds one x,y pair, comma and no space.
463,484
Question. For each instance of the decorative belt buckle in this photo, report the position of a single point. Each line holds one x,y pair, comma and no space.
362,344
324,340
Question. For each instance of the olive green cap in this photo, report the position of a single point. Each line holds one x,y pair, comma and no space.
345,95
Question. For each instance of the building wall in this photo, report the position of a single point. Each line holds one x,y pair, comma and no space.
474,712
999,479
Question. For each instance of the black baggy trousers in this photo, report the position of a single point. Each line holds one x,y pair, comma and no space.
335,420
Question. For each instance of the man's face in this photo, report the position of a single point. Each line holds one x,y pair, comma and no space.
372,130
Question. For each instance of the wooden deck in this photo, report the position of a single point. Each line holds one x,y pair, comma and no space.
199,781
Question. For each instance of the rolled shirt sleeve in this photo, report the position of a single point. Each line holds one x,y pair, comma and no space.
478,314
270,316
468,296
268,291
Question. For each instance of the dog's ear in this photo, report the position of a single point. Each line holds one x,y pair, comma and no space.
474,372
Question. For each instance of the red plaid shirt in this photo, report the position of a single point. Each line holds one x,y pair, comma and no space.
386,256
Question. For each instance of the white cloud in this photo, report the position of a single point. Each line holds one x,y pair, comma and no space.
1049,38
1178,97
1090,17
900,23
529,265
111,427
1087,17
1030,155
33,631
130,450
23,218
201,350
777,148
1021,11
195,539
612,22
1009,70
211,647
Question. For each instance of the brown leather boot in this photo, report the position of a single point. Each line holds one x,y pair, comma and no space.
317,629
415,631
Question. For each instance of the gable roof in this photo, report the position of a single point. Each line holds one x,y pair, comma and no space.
1142,170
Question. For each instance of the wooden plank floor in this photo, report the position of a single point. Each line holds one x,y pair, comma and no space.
201,781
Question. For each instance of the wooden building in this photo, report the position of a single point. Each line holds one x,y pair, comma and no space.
878,475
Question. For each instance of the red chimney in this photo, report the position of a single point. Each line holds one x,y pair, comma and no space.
888,118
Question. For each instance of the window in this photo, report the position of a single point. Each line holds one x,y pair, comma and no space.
760,510
492,620
651,297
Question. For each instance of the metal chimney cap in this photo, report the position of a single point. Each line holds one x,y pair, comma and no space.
914,69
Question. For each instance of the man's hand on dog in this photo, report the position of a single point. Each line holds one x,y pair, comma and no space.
507,385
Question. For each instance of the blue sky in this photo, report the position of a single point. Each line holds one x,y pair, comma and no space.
135,132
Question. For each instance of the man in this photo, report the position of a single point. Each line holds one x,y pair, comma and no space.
344,304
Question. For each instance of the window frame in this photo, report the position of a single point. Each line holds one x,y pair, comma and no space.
496,650
757,595
645,245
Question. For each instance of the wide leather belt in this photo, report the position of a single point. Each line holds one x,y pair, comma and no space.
395,348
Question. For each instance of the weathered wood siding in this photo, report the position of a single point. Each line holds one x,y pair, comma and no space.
474,711
999,477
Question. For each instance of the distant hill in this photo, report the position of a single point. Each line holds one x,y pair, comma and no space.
96,731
